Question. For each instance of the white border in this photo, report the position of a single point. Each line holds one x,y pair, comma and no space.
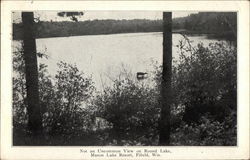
242,7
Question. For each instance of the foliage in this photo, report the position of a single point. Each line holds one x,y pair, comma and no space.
133,109
224,24
69,14
91,27
209,132
205,85
219,24
19,89
204,110
204,101
65,112
63,100
205,81
72,15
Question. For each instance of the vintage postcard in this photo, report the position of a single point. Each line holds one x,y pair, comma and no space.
125,80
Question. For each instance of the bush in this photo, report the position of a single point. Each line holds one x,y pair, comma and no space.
209,132
206,80
133,110
66,112
63,100
205,85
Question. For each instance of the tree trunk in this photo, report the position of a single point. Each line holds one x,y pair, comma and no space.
166,80
31,71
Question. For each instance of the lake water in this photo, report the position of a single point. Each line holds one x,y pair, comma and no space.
106,57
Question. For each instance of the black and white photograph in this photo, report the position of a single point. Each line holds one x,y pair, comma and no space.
124,78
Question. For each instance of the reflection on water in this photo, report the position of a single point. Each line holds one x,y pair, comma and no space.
105,57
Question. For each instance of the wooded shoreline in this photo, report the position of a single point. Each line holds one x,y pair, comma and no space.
215,24
210,35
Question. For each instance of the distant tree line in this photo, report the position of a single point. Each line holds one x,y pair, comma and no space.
94,27
221,24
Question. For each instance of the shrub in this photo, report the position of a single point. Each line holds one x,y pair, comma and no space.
133,110
209,132
66,111
206,80
205,85
63,102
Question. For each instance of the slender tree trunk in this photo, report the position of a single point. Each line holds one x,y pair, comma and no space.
166,79
31,73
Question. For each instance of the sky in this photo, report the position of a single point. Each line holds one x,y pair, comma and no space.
91,15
